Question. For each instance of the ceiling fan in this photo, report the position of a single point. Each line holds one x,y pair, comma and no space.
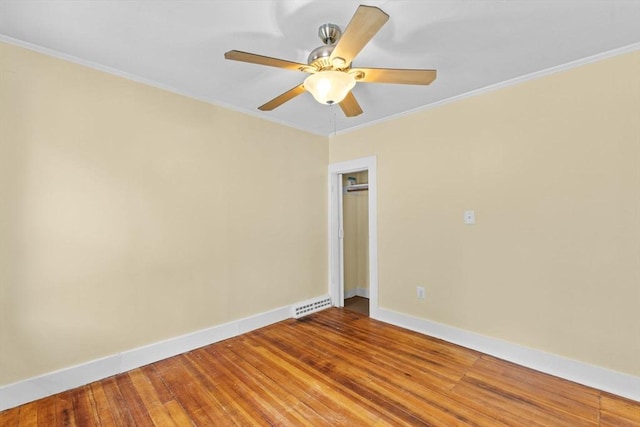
332,76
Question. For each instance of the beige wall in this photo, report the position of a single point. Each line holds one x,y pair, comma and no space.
356,235
551,167
131,215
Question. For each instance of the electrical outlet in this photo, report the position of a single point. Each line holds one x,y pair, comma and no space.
420,292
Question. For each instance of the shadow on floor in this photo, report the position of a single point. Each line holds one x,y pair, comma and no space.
357,304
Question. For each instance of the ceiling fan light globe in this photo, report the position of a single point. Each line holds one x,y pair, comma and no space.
329,87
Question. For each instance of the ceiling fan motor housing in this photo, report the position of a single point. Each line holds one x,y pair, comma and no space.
319,57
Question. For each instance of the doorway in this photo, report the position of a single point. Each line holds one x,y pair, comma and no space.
355,225
368,269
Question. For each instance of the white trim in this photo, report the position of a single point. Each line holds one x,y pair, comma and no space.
335,257
350,293
31,389
333,248
490,88
593,376
362,292
55,382
357,292
496,86
149,82
340,200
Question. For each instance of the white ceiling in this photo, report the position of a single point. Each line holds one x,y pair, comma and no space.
179,45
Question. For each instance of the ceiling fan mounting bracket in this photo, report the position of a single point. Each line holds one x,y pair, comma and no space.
329,33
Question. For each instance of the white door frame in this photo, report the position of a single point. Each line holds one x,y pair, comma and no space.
336,259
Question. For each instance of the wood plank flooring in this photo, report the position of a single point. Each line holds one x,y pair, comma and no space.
331,368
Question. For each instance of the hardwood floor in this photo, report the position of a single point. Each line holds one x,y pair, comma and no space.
335,367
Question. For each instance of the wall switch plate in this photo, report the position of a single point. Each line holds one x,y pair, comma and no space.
469,217
420,292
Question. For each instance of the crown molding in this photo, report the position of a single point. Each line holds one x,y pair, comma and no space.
157,85
133,77
511,82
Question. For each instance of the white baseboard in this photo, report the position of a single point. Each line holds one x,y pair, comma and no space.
593,376
360,292
65,379
31,389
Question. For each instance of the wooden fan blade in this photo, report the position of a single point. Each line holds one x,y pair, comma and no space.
363,26
399,76
281,99
350,106
253,58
